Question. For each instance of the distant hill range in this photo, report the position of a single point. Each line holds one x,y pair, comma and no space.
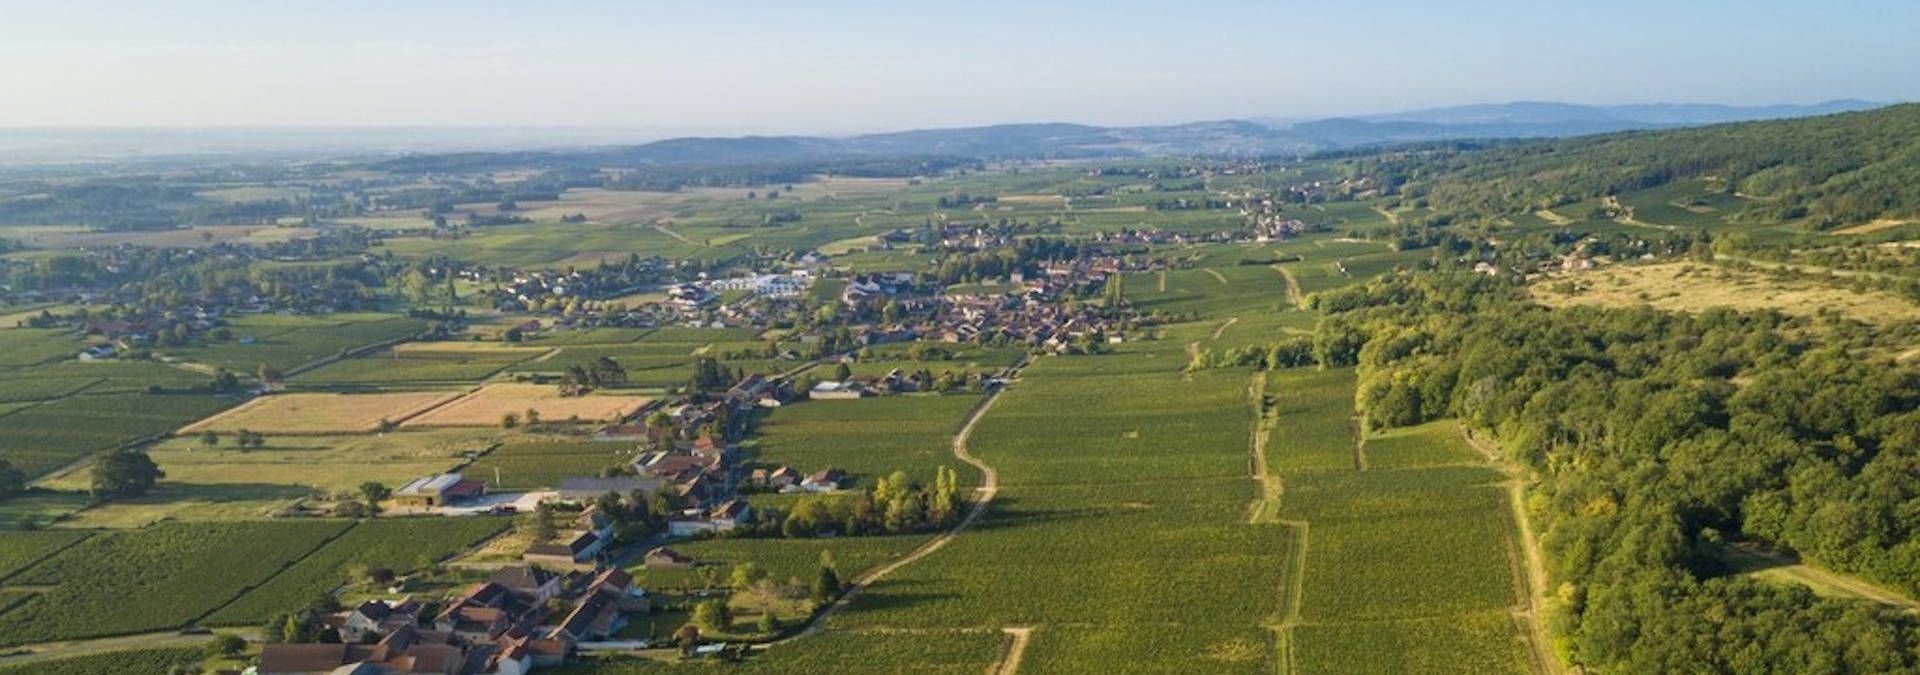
1254,137
1229,137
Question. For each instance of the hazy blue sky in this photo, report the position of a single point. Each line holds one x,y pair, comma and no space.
829,66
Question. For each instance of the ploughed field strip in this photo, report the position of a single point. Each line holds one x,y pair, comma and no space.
1409,566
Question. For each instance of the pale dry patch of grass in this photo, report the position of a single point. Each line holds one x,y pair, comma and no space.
1688,287
1033,199
463,348
489,404
1880,225
315,413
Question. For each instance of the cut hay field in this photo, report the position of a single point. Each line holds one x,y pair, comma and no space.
486,406
318,413
1693,287
329,462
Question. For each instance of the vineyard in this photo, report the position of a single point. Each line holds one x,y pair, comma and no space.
157,578
46,437
542,463
19,550
396,544
1408,562
1119,478
869,437
134,662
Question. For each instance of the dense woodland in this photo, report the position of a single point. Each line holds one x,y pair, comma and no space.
1831,171
1659,440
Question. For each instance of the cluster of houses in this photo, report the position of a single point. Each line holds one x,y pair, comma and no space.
536,290
869,287
785,479
501,626
1031,317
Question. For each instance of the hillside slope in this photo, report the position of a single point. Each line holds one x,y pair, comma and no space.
1827,171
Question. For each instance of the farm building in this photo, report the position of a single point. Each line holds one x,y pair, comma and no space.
576,548
438,489
824,480
831,390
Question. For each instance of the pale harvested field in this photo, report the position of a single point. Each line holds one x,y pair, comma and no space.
1033,199
180,238
312,413
592,259
486,406
332,463
1687,287
1880,225
617,207
466,348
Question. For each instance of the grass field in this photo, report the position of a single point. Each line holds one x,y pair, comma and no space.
314,413
489,404
331,463
541,462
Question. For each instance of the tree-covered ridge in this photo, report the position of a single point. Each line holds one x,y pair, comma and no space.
1661,438
1830,171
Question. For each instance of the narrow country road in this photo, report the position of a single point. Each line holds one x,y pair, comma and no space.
157,640
1015,651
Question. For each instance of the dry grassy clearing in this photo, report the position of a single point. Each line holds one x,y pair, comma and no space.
465,348
1033,199
486,406
1875,226
321,413
1688,287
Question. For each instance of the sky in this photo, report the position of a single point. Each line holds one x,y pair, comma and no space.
836,67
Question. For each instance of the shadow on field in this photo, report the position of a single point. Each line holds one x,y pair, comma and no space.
889,595
1005,512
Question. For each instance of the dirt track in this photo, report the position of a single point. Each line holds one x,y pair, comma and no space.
982,496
